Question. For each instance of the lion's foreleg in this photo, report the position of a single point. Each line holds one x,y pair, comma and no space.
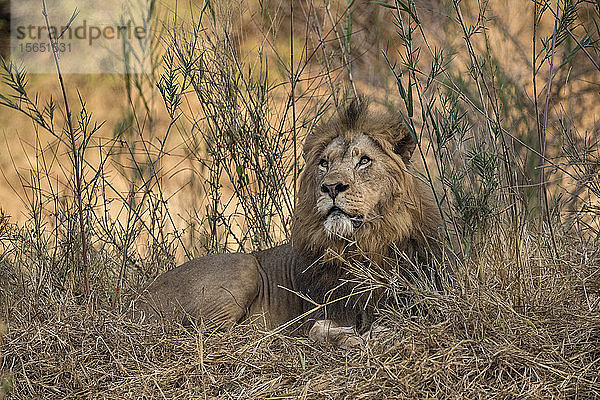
327,331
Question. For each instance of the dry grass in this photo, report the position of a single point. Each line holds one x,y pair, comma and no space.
495,337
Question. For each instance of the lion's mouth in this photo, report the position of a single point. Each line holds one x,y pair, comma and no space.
356,220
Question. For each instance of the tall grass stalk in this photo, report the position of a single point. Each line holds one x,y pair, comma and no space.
75,154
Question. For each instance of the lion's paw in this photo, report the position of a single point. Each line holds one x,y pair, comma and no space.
327,331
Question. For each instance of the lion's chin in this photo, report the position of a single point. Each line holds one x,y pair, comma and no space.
340,224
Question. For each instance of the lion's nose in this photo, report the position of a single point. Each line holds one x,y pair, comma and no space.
333,189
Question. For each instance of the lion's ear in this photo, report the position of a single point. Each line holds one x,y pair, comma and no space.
405,146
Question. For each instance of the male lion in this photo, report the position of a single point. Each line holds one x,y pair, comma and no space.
358,203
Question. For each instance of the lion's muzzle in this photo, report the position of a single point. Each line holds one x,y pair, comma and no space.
340,223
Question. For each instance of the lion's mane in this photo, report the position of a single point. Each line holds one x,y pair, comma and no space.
410,218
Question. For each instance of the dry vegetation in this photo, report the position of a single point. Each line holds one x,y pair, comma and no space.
202,154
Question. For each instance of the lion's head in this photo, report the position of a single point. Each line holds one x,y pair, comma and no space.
358,187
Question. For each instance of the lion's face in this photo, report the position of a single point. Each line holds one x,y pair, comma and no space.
352,183
357,187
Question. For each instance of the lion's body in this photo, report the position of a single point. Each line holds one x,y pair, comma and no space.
227,288
263,286
359,202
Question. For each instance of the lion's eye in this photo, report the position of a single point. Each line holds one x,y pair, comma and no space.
364,160
323,163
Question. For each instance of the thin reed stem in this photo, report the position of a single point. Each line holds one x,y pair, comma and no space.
76,157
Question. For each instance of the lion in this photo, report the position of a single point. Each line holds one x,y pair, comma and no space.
359,202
